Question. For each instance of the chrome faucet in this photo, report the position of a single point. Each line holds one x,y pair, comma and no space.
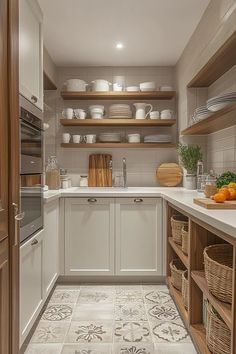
124,171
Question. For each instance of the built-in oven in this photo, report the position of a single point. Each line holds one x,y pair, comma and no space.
31,169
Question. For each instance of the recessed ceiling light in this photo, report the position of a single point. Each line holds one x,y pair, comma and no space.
119,46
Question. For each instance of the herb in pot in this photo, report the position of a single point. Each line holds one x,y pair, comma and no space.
225,179
189,155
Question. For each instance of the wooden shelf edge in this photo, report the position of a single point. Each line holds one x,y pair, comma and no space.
223,309
179,302
118,122
179,252
198,334
119,145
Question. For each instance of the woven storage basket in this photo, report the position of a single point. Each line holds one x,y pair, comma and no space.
218,261
185,238
176,268
185,288
177,222
218,336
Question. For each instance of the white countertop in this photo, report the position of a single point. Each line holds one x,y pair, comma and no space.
224,220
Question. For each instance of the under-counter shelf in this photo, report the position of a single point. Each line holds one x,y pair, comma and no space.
178,301
111,95
118,122
119,145
222,119
178,250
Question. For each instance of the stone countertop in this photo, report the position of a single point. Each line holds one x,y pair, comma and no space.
224,220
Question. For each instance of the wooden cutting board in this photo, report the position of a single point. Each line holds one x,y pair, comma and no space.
169,174
211,204
100,171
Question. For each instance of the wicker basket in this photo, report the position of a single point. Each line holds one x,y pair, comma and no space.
185,238
177,268
218,336
185,288
218,260
177,222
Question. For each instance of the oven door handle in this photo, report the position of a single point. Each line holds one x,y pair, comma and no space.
18,217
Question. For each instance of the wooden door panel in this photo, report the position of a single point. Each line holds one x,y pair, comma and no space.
4,297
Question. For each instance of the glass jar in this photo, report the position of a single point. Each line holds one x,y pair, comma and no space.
210,186
83,182
52,173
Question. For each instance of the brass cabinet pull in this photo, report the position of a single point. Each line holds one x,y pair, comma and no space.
34,242
138,200
34,99
92,200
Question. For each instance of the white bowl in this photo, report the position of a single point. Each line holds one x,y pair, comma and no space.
132,88
147,86
96,106
97,115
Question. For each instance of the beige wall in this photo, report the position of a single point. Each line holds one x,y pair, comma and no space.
49,67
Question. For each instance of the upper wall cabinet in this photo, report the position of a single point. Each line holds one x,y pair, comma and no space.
31,52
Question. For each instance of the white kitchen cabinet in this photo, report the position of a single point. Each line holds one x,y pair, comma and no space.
31,52
139,236
89,236
51,245
31,282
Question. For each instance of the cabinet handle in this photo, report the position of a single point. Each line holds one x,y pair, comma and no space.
92,200
34,99
138,200
34,242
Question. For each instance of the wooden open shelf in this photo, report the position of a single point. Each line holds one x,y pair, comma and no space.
198,334
178,301
118,122
179,252
152,95
223,308
120,145
223,60
222,119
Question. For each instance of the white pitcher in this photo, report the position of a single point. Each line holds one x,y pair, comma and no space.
141,110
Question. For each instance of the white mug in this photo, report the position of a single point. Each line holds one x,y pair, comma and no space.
166,114
154,115
77,139
90,138
68,113
80,113
65,138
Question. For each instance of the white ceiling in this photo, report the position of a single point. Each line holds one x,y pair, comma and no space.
85,32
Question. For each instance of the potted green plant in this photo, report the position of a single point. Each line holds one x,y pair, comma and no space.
189,157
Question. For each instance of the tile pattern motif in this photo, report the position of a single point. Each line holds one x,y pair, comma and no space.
119,319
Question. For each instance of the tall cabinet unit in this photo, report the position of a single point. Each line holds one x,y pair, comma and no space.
31,52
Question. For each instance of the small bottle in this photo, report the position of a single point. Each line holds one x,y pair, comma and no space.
200,173
52,173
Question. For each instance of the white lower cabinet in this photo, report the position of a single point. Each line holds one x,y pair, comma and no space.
31,280
89,236
51,245
139,236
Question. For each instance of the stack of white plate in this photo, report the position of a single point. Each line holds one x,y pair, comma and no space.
216,103
110,137
159,138
201,113
120,111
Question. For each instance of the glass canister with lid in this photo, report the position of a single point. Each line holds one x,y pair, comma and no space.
53,173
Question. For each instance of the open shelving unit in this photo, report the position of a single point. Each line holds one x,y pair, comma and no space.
118,122
119,145
201,235
123,95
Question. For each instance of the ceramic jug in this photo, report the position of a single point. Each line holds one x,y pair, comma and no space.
141,110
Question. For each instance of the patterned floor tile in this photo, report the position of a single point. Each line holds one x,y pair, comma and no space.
100,287
169,332
87,349
93,312
95,297
133,348
132,332
50,332
160,297
67,287
129,287
63,296
58,312
130,312
124,296
44,349
162,313
90,332
170,348
157,287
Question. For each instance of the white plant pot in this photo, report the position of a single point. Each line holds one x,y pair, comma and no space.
190,181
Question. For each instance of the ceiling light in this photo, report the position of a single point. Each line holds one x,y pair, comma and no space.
119,46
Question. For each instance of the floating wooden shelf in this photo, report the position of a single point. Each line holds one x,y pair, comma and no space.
223,308
198,334
152,95
119,122
222,119
179,252
119,145
179,302
223,60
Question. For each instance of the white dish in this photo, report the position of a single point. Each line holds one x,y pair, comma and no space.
75,85
218,106
132,88
147,85
166,88
101,85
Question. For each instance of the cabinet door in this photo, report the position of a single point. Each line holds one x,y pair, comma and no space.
139,236
4,297
31,283
89,236
51,245
31,51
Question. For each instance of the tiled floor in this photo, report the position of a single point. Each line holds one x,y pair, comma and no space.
139,319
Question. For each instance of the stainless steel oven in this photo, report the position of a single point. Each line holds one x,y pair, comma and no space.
31,169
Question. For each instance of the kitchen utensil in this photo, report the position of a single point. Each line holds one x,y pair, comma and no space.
147,86
77,139
66,138
134,138
90,138
132,88
75,85
154,115
211,204
169,174
80,113
100,170
141,110
68,113
100,85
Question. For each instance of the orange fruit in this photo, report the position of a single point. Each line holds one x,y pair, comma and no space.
232,192
225,191
219,198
